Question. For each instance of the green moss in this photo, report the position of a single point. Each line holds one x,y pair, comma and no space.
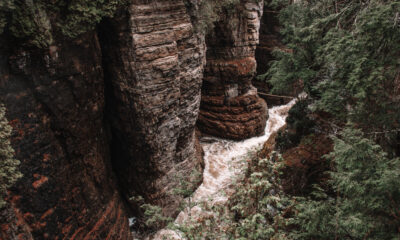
6,6
85,14
210,11
30,22
37,22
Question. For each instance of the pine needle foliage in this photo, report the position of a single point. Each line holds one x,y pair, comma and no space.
365,183
6,6
368,195
346,53
9,172
300,124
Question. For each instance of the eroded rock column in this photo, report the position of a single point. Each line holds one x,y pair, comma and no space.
154,73
230,106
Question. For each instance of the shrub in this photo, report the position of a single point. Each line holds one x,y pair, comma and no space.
299,125
9,172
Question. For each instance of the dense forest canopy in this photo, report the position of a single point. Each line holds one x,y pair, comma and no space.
346,53
346,56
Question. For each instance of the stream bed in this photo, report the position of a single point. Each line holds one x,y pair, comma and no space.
224,162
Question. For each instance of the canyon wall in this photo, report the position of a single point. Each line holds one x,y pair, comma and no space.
87,125
111,115
154,68
55,104
230,106
270,38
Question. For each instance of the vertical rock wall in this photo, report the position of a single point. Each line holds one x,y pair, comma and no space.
114,112
154,68
55,103
269,40
230,106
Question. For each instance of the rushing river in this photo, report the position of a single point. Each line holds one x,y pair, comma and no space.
223,163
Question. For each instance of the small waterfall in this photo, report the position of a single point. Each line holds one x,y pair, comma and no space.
223,163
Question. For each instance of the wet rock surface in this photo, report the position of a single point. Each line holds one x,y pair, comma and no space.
230,106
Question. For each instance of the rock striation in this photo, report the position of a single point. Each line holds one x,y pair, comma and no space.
55,104
230,106
111,114
154,69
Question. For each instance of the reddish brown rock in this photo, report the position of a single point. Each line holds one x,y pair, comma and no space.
13,225
270,145
230,106
96,122
305,164
55,103
241,119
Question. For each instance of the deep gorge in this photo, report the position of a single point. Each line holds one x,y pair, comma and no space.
199,119
111,115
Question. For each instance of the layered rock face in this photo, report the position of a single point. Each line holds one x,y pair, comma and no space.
94,117
230,106
154,70
55,103
111,115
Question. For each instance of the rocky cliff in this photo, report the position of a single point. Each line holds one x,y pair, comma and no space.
230,106
270,38
55,103
154,67
111,114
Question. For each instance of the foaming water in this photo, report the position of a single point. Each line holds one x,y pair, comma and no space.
223,163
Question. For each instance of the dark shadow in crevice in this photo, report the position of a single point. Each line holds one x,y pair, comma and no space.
119,154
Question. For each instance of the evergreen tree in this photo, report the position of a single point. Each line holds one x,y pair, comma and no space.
346,53
9,172
367,204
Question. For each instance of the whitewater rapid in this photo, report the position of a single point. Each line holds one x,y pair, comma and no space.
224,162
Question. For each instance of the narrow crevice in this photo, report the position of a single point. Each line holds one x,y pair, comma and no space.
106,33
270,38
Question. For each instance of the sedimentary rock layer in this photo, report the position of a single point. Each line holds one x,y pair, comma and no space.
230,107
55,104
114,111
94,117
154,71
